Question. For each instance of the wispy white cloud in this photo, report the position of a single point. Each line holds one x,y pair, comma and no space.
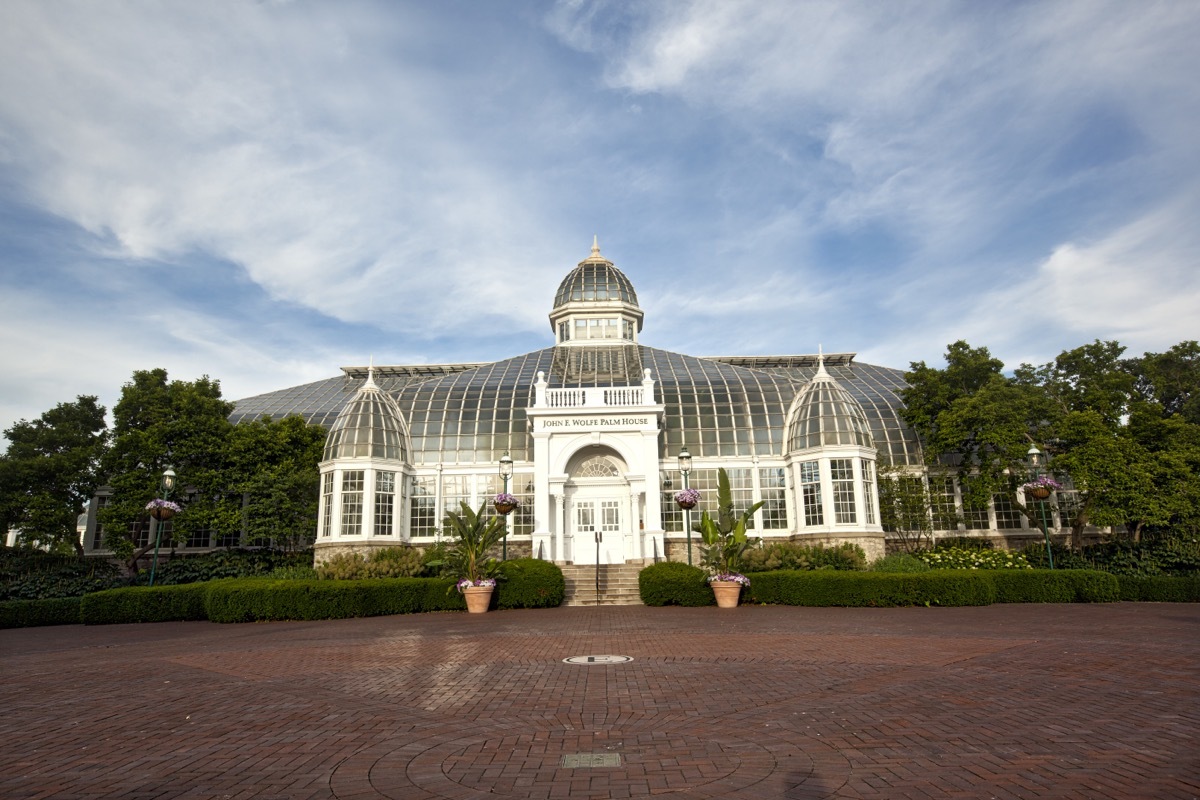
307,147
303,185
982,137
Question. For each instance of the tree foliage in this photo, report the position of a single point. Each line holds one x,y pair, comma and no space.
158,424
1118,429
50,471
273,464
906,507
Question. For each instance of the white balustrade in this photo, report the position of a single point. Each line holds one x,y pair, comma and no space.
594,396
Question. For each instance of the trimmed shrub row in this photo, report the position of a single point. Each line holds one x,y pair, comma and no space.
829,588
178,603
35,613
251,600
1160,588
673,583
1054,586
527,583
530,583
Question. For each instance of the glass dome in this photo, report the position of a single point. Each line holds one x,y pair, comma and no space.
370,426
824,415
592,281
595,280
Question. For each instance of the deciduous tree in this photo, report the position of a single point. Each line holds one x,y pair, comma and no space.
50,471
160,423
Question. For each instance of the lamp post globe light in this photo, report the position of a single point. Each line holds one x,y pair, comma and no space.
162,514
506,471
685,467
1040,494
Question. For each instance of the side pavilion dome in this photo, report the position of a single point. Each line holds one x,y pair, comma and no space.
370,426
824,414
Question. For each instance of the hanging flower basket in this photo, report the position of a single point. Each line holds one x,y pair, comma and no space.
687,498
162,510
505,503
1040,487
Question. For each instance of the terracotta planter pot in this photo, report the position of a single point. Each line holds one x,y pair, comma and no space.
162,514
504,508
727,593
1040,492
478,598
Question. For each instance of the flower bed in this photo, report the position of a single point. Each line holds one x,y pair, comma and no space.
961,558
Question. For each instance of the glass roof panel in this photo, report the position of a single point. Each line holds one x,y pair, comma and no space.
702,397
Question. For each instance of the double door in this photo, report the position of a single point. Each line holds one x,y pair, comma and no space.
596,531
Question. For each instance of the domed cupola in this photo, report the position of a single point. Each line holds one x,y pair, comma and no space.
825,415
363,474
596,303
370,426
831,456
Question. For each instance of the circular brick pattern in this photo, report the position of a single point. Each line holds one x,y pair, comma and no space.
528,764
651,762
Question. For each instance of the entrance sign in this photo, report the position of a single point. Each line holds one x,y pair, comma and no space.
597,422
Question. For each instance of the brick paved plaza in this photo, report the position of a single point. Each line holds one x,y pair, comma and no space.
758,702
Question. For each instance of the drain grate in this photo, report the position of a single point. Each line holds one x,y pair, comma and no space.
598,659
588,760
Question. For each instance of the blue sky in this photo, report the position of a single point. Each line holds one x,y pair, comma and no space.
265,191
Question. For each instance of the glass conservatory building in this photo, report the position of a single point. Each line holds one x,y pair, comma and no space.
594,426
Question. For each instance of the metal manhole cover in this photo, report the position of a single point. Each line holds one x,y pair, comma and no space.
597,659
585,760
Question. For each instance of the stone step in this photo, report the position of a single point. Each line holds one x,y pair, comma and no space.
618,584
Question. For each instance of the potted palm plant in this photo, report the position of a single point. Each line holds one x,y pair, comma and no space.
725,541
473,535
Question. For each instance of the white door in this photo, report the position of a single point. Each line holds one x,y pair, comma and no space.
596,531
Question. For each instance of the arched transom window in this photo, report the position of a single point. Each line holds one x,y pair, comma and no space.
598,467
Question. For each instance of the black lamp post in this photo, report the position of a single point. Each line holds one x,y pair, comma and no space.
166,485
685,467
1040,494
506,471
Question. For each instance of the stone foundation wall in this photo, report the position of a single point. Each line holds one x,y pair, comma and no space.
325,550
677,550
871,543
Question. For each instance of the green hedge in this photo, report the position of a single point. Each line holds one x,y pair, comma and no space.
1053,586
832,588
35,613
673,583
1094,586
530,583
1160,588
145,604
250,599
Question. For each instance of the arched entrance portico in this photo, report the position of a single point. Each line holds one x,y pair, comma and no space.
600,510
